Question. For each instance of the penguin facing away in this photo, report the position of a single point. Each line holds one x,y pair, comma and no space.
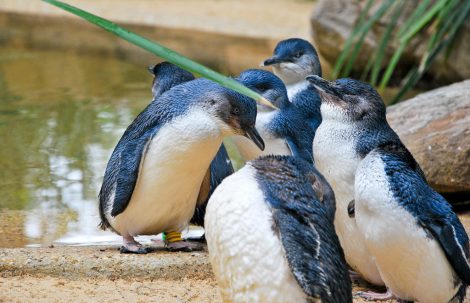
270,235
416,240
284,131
154,175
167,75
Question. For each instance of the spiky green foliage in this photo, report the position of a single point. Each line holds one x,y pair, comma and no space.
442,20
162,51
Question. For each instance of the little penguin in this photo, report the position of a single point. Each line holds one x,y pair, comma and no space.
284,131
271,238
338,147
417,242
154,175
292,61
167,75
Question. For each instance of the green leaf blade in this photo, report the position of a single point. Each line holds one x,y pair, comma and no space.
162,51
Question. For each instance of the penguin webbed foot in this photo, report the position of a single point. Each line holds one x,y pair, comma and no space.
375,296
184,246
354,276
134,250
131,246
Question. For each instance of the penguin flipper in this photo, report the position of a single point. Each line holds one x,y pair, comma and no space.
298,152
456,253
307,256
220,168
301,241
130,159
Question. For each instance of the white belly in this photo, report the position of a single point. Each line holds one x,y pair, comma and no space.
336,159
293,89
247,257
170,177
412,265
273,145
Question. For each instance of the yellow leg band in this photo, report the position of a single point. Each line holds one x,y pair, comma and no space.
173,236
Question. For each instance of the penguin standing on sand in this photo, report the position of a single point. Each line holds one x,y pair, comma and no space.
338,148
418,243
292,61
271,238
284,131
154,175
167,75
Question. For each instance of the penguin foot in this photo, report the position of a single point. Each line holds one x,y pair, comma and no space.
376,296
134,250
184,246
131,246
354,276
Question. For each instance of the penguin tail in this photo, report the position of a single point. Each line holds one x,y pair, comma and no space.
104,225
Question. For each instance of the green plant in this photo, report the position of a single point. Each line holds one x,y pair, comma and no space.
162,51
441,19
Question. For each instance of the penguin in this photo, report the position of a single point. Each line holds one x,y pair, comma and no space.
284,131
338,148
271,237
419,244
167,75
154,176
292,61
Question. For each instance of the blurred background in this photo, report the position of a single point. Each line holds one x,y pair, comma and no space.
68,89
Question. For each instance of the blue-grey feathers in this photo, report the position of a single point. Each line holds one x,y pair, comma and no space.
429,208
304,223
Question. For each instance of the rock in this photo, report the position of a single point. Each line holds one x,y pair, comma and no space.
332,22
435,126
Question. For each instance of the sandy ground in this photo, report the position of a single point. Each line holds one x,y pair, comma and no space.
102,274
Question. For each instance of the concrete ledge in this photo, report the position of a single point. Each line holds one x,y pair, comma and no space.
103,263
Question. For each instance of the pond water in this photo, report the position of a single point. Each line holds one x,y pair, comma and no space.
60,116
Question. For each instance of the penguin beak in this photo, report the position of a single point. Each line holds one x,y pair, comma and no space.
150,68
323,85
273,60
252,134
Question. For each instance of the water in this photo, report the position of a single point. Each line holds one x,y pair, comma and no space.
60,116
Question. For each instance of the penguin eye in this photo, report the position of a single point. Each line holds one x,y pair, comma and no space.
298,55
262,88
236,111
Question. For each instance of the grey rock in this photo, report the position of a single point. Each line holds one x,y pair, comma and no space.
435,126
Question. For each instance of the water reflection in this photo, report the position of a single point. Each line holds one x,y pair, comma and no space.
60,116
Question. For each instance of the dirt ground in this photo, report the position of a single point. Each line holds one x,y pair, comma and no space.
102,274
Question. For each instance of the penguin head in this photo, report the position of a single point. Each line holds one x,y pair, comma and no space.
348,100
166,75
267,85
234,112
293,60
